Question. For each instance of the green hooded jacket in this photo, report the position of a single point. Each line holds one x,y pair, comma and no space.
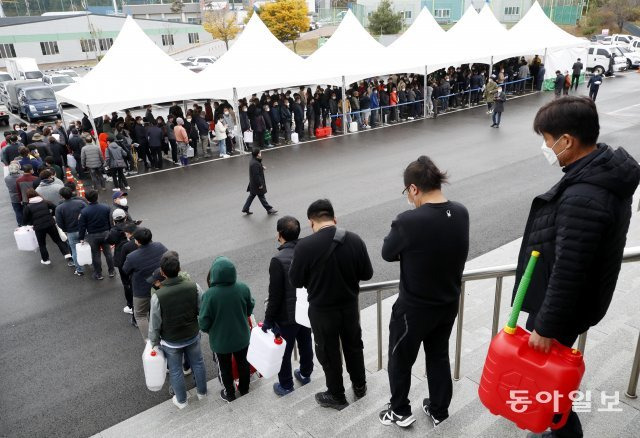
225,309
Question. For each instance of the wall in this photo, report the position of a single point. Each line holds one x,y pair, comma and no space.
67,33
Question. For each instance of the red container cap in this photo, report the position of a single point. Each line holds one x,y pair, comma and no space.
153,352
260,324
278,340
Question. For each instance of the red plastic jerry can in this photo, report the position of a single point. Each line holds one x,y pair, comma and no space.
532,389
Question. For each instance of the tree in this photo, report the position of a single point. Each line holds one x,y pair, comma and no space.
286,19
384,21
623,10
608,14
221,25
177,6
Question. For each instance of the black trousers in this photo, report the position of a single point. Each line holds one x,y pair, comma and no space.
41,236
225,372
174,150
574,80
593,92
331,328
408,329
119,180
275,134
302,335
573,427
262,199
126,284
156,156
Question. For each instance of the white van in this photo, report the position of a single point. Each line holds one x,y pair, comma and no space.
599,57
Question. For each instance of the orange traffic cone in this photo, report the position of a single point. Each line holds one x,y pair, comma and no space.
69,176
80,189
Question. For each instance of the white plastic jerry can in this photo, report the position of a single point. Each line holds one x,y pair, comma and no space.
26,238
265,352
155,367
353,127
83,253
302,307
295,138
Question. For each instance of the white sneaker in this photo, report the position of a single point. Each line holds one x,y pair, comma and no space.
115,190
48,262
127,188
225,156
178,404
128,310
201,396
410,118
67,257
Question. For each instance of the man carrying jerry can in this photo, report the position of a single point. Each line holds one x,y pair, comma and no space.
579,227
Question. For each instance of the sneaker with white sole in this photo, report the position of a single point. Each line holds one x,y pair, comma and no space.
426,403
201,396
45,262
388,417
178,404
128,310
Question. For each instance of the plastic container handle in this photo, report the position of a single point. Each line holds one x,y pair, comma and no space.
520,294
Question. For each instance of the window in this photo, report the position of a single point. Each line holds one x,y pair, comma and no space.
591,51
442,13
105,43
7,51
88,45
512,10
174,20
167,40
193,20
407,14
49,48
194,38
603,52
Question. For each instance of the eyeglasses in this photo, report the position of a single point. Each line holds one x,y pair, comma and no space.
404,192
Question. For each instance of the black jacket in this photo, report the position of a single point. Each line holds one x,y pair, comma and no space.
140,264
257,183
558,84
140,135
94,218
75,144
281,307
59,153
39,214
431,243
337,285
155,137
298,112
244,121
68,214
579,227
119,239
275,114
285,114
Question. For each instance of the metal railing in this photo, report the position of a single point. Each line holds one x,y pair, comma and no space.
631,254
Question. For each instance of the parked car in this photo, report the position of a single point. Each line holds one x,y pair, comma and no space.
71,73
202,61
635,45
633,57
599,57
191,66
4,95
57,82
5,77
31,99
4,114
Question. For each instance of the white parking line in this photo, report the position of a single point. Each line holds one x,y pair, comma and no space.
624,109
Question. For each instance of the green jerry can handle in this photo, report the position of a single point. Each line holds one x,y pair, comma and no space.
510,328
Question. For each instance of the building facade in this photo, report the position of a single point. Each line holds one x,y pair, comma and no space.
68,38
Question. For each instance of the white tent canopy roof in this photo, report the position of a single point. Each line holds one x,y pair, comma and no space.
133,72
351,51
411,49
535,32
256,61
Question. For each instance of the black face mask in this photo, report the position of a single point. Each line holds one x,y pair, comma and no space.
155,287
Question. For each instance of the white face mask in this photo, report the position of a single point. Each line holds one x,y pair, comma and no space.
123,202
411,203
549,154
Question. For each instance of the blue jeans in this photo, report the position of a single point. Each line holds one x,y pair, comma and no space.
176,374
222,145
496,118
72,239
17,209
291,334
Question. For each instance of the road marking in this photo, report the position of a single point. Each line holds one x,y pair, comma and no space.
623,109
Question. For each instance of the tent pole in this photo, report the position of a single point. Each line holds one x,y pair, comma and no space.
424,94
544,58
490,69
93,124
184,104
238,133
344,106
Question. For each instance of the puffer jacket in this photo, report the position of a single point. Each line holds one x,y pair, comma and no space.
220,131
39,213
281,307
579,227
49,190
115,156
91,156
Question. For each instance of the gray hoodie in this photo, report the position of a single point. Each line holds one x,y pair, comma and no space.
49,190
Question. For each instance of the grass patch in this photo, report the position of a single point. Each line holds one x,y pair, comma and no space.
304,47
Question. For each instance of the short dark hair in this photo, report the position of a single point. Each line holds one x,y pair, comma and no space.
45,174
424,174
255,151
48,160
66,192
143,236
576,116
130,227
320,209
289,228
13,139
71,185
92,195
170,264
27,168
31,193
111,138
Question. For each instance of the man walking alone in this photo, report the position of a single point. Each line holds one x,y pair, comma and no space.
257,184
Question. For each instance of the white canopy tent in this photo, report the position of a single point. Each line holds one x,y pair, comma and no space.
411,50
133,72
256,61
350,52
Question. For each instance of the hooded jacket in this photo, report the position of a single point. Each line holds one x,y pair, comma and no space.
49,189
579,227
39,213
225,309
